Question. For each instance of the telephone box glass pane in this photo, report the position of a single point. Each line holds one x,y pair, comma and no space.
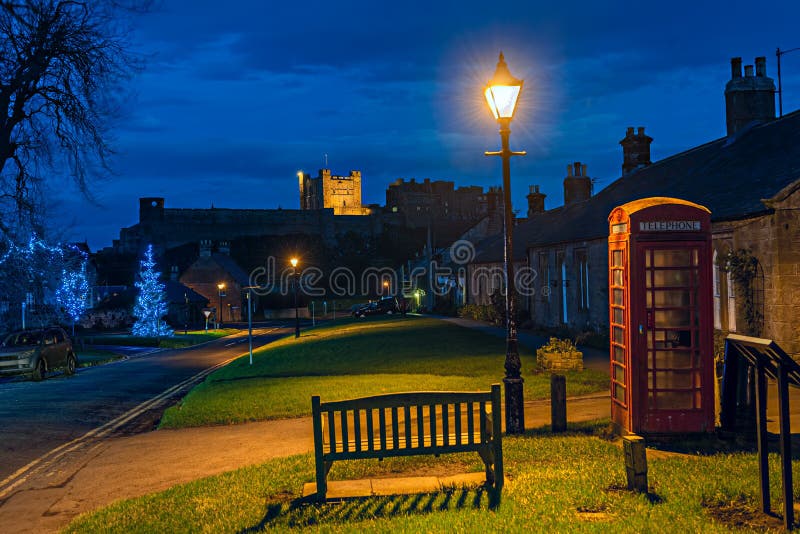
618,297
616,258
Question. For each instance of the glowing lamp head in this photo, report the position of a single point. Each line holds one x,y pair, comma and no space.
502,92
293,261
220,286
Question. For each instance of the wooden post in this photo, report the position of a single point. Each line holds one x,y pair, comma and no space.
727,418
761,435
558,403
786,447
635,462
497,439
321,475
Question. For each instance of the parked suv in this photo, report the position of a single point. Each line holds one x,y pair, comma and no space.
387,305
37,352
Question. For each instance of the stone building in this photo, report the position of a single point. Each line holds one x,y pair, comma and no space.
326,190
750,180
420,203
212,269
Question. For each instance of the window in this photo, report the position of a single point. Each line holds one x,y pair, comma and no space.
717,295
582,272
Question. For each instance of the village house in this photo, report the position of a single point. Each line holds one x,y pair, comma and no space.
749,179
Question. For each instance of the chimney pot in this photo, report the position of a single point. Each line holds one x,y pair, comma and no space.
583,170
736,68
748,71
761,66
641,131
577,168
569,170
629,131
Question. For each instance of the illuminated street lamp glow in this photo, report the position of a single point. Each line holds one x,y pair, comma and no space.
293,261
502,91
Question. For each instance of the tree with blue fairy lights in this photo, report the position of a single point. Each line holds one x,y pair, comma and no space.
151,305
73,293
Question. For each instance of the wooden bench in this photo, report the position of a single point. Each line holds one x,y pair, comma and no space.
408,424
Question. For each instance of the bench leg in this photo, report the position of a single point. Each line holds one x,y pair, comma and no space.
322,479
488,460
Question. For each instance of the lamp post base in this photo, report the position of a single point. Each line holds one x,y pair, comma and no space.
515,406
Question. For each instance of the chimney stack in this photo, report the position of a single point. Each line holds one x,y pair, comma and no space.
205,248
749,99
635,150
535,201
577,186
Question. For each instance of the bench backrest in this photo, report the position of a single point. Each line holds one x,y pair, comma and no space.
400,424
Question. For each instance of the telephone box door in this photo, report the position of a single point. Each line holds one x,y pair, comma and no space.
672,340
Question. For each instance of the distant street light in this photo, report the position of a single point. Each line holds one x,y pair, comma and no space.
294,262
386,287
502,93
221,288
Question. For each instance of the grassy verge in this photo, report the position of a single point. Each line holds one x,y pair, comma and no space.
193,337
357,358
92,357
564,483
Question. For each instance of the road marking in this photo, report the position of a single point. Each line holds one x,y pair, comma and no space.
11,482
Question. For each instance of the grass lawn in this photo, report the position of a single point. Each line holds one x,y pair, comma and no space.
356,358
179,341
567,483
91,357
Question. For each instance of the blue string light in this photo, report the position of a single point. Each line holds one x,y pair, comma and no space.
151,305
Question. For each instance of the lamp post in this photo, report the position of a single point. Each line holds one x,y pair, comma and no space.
386,287
778,54
221,288
294,261
501,94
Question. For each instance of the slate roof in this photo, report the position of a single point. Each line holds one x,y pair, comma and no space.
729,176
175,293
232,268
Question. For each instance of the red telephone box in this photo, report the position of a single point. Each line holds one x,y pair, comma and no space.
661,317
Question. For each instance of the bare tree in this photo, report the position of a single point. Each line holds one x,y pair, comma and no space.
62,63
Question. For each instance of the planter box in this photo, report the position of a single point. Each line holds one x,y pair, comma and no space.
560,361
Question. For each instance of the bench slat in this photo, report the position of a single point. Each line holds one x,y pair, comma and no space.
357,428
432,419
483,422
382,427
420,426
445,425
457,415
407,413
369,428
345,437
395,429
331,429
470,422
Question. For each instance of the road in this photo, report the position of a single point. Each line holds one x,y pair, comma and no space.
42,423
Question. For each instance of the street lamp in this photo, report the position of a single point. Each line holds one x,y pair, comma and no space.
386,287
221,288
294,261
502,93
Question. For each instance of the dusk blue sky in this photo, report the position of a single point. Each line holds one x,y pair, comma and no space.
236,97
